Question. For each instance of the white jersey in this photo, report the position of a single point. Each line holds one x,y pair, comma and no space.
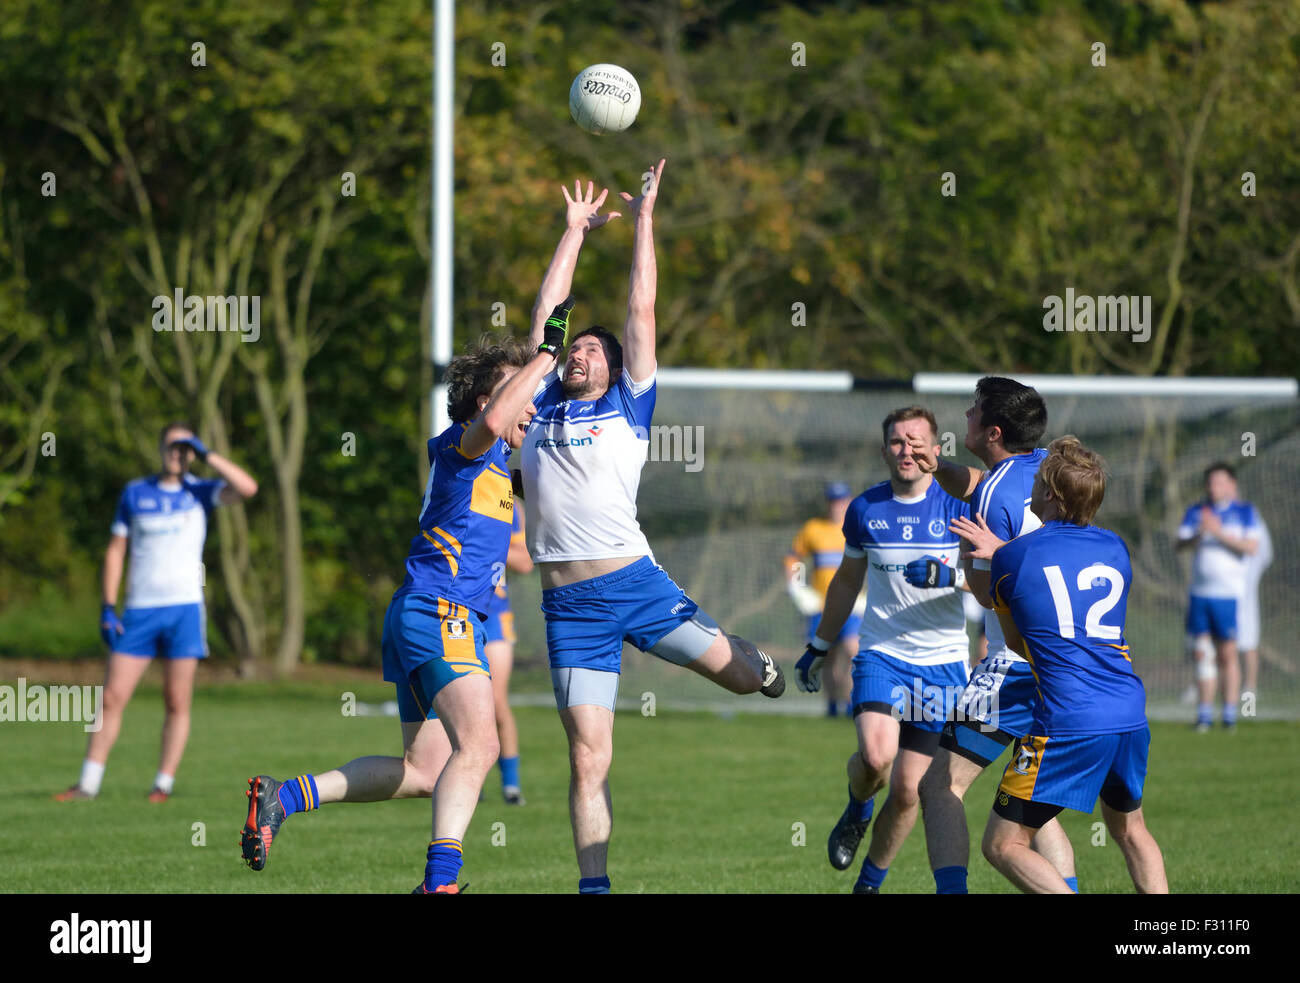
165,530
1218,572
581,467
1002,497
924,626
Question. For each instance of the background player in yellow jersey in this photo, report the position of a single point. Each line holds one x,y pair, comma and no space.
809,566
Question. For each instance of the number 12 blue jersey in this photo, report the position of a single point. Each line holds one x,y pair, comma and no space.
1066,587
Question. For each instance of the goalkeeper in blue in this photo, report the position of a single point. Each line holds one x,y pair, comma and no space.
911,661
1061,596
433,641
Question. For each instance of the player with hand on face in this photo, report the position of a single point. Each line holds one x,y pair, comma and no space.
164,521
1061,596
1003,427
911,659
582,462
433,642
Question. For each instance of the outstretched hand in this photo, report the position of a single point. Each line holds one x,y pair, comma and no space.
643,205
979,535
583,212
923,454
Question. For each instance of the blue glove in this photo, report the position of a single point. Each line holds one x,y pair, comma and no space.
808,670
110,626
195,445
929,571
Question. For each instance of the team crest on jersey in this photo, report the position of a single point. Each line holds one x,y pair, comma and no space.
1026,758
937,527
455,627
1004,799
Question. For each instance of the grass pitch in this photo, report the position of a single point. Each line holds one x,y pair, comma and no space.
702,803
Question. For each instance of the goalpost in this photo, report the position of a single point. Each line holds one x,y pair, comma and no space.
738,460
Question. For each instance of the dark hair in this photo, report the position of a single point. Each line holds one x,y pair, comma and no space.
613,348
1220,466
1016,409
174,425
478,371
1076,477
908,413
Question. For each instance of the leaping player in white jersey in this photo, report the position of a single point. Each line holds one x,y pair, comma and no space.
164,520
1003,427
582,460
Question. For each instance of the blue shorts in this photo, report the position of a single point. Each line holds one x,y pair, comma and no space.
996,708
920,697
500,626
177,631
852,625
588,621
428,642
1071,772
1213,616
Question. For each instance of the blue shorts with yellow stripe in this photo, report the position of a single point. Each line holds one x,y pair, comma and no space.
500,626
1070,773
428,642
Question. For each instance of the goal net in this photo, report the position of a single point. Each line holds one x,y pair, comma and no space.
736,469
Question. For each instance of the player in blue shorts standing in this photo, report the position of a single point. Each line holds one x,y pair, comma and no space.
163,520
1061,595
911,661
1225,534
582,461
433,630
1003,427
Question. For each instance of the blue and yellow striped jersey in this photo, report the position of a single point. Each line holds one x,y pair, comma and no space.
1066,588
465,523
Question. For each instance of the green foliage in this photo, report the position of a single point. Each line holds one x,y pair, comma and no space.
814,184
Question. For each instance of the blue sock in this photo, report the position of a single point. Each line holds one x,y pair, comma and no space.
1229,715
593,885
299,795
509,771
871,875
861,811
1073,884
832,709
1204,713
443,866
950,880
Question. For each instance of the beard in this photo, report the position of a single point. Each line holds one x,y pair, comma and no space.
584,388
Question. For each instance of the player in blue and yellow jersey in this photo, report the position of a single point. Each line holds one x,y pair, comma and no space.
911,661
433,631
812,561
1003,427
163,521
1061,595
1225,534
500,652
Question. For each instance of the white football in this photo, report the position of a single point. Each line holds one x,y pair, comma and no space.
604,99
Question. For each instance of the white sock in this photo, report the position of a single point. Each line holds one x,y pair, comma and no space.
164,782
92,776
